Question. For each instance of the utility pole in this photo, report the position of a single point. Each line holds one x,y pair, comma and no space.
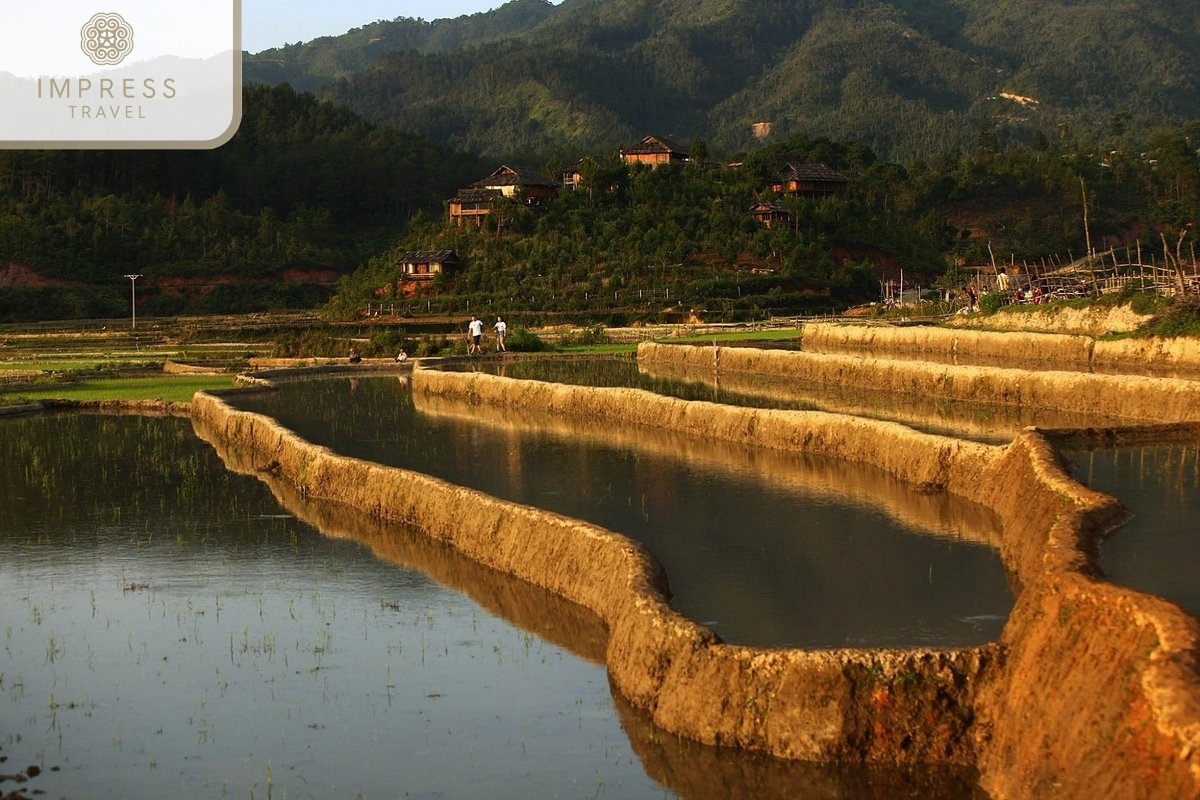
133,298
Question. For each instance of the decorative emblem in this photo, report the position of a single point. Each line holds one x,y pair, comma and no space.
106,39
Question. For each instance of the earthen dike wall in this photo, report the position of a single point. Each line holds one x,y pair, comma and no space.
1029,349
1091,691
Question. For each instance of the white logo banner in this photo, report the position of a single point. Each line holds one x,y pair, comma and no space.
120,74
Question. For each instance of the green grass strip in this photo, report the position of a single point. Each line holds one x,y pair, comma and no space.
173,388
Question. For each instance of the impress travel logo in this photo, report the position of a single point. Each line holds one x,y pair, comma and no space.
82,77
106,39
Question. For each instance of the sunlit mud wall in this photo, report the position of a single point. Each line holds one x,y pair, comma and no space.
823,706
1091,691
1074,671
1029,349
1098,690
1129,397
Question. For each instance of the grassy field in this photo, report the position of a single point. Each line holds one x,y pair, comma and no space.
62,362
175,388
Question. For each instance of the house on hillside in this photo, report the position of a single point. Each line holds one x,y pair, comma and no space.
521,183
421,265
654,151
770,214
572,175
472,204
811,181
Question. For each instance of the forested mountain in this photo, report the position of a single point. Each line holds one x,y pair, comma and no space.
311,64
968,130
908,77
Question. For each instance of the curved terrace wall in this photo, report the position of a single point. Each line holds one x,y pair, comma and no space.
1099,692
1081,664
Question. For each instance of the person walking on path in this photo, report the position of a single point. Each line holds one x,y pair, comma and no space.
475,331
501,328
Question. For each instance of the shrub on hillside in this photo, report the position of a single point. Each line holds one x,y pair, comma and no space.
991,302
523,340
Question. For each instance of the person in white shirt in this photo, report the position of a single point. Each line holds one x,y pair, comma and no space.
501,328
475,330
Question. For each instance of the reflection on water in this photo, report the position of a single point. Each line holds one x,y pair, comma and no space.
765,548
170,631
1158,549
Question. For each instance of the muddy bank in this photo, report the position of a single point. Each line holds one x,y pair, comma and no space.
1094,321
267,375
1091,691
825,706
1028,349
986,422
1126,397
546,614
920,340
147,408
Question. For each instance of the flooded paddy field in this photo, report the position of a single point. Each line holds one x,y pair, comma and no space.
171,630
1158,549
765,549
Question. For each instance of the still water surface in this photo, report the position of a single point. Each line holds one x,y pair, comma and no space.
765,548
171,631
1158,549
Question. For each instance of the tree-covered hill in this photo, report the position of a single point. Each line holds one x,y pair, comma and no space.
304,190
639,243
910,78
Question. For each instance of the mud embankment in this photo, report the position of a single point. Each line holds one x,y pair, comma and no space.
143,408
1127,397
1014,349
1092,690
1054,318
988,422
1098,688
548,615
853,705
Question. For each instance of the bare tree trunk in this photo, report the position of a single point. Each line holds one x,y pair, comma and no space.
1173,259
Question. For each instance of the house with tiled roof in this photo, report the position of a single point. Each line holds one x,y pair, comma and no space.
812,181
770,214
470,205
521,182
425,264
654,151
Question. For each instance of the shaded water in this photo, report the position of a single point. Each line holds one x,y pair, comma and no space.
1158,549
171,631
765,548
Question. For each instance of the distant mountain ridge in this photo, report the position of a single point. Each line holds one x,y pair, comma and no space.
910,78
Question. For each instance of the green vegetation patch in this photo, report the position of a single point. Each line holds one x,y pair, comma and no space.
170,388
1181,318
